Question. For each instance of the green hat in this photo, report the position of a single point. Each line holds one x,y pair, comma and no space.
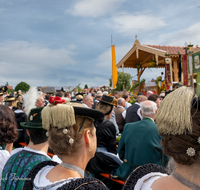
34,119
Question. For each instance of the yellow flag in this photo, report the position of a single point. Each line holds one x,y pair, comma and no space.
114,68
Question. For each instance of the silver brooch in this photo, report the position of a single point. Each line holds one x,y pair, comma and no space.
71,141
47,133
190,151
31,118
198,140
65,131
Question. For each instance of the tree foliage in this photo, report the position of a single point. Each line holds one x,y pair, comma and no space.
23,86
123,79
86,86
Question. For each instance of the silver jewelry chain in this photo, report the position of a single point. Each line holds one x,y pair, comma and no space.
185,181
73,167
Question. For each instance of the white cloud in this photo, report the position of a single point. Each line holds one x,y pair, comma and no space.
32,62
129,24
94,8
179,37
34,54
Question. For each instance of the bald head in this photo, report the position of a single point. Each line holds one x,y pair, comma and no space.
149,92
88,100
121,102
141,98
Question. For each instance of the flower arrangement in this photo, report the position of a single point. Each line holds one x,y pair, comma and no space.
152,63
56,100
133,98
159,79
138,65
163,87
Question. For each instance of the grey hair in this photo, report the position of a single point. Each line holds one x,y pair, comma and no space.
120,101
148,107
105,93
141,98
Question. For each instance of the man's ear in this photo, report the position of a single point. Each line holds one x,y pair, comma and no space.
28,133
140,112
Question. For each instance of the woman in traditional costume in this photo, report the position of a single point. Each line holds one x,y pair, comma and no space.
8,134
72,137
178,120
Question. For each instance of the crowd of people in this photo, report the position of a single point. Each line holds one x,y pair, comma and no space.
152,144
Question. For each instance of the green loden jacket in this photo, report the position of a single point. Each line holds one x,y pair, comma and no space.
139,144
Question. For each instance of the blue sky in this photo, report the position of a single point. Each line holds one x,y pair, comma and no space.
67,42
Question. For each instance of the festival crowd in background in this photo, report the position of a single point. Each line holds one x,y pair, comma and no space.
67,140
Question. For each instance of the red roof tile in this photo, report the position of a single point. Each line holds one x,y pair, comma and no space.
169,49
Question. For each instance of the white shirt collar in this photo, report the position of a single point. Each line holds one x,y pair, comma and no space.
120,106
85,105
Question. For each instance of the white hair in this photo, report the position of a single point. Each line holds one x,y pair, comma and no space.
40,93
99,92
105,93
148,107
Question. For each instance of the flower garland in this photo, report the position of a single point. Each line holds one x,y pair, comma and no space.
138,65
152,63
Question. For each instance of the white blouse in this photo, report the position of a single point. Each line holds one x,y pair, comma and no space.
146,181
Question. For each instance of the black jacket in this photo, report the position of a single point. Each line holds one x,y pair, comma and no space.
131,114
106,136
21,117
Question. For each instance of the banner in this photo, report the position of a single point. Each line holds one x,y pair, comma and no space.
168,73
198,84
196,62
179,68
114,68
185,70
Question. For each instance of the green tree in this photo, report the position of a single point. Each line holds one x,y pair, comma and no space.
123,79
7,84
23,86
10,91
86,86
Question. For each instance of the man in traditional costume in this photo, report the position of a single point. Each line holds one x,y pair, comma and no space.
119,110
3,90
10,101
1,97
140,142
133,112
22,160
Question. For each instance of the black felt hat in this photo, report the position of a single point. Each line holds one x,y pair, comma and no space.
87,112
79,96
9,98
109,100
34,119
4,88
63,115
